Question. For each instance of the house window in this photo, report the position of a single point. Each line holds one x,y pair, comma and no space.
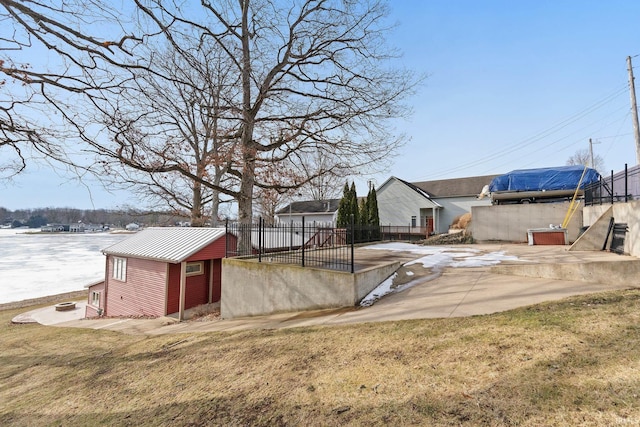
120,269
195,268
95,299
413,221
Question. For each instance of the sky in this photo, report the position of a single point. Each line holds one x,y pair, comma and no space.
509,85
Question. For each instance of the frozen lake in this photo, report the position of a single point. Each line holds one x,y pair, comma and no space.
37,265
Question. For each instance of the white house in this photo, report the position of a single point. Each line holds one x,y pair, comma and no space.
429,205
318,211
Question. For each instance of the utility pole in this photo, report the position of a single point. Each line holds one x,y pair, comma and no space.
634,109
593,166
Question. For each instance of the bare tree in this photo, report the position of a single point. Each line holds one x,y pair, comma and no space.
312,71
315,77
173,140
583,157
37,102
267,203
271,197
320,186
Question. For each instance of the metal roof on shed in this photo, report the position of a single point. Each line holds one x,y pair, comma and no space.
170,244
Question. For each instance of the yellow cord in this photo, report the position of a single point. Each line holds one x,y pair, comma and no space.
573,206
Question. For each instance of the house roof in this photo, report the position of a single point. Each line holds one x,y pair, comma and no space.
311,207
416,189
470,186
168,244
430,203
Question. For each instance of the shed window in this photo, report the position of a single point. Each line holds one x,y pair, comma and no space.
95,299
195,268
120,269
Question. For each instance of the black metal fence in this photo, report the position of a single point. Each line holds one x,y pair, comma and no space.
623,186
306,244
404,232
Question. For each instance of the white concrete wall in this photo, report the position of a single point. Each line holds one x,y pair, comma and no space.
250,288
622,212
593,239
510,223
590,214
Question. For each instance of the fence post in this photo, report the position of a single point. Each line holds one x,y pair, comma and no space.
600,192
226,238
352,242
626,183
611,186
260,239
290,235
303,241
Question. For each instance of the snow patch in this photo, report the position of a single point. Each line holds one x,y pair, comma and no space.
436,258
383,289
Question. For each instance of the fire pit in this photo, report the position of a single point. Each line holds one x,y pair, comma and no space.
65,306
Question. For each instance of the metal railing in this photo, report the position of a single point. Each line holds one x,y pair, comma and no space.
623,186
306,244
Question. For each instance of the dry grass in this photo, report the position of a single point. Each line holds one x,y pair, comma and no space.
205,312
573,362
461,222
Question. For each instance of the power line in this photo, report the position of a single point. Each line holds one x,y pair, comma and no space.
535,138
578,140
540,135
616,139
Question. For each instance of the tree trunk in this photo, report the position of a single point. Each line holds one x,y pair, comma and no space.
215,208
245,202
245,196
197,219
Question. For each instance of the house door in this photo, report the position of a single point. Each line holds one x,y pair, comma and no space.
427,224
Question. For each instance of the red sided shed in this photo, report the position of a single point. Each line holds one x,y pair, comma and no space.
161,271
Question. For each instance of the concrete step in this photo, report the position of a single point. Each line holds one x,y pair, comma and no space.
605,272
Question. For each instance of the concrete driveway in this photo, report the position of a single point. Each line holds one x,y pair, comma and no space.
452,292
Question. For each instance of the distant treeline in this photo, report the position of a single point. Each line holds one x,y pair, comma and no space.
35,218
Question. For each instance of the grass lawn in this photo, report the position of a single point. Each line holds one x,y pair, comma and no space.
573,362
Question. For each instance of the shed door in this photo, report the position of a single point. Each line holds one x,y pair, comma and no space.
217,280
197,288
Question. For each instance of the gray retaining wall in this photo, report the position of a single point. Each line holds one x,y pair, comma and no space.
251,288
